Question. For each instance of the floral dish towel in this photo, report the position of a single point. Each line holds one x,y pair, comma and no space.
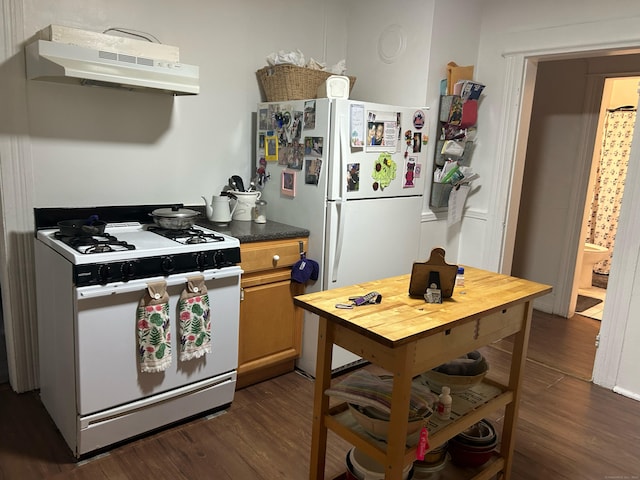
195,319
153,326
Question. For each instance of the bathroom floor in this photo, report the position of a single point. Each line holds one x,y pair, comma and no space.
594,292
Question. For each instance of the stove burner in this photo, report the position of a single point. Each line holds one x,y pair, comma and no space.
187,236
99,248
102,243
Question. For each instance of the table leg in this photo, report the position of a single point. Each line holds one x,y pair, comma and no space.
518,361
321,401
401,396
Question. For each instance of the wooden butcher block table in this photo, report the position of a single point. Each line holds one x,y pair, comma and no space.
407,336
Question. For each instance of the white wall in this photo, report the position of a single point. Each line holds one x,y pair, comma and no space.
513,31
116,147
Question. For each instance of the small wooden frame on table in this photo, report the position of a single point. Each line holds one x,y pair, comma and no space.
288,184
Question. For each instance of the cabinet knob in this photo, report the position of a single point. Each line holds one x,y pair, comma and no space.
276,258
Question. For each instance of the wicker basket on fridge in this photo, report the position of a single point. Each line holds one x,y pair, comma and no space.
290,82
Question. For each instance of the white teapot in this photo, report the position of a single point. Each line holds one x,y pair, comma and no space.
220,210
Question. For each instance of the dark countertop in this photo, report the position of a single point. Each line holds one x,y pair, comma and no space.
248,232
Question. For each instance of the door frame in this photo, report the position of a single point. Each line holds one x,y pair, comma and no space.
516,114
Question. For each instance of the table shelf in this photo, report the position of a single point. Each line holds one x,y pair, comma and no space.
468,409
406,336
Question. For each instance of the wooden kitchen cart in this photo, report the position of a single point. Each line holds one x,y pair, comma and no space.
406,336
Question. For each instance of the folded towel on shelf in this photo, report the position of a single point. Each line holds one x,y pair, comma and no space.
195,319
153,326
368,390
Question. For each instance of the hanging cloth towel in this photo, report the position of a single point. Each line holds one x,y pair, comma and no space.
195,319
154,332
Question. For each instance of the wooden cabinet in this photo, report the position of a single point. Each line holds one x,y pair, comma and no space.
406,336
270,324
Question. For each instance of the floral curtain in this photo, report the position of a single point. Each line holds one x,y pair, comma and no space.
612,170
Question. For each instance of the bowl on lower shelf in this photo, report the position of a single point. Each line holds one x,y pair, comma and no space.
378,427
435,379
469,456
433,457
478,435
362,467
474,446
433,471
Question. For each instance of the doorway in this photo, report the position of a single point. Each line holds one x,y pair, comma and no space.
548,246
606,187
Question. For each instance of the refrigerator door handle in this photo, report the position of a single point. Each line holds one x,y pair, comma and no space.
341,207
341,203
343,138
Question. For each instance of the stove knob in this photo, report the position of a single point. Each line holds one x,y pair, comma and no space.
128,270
201,260
219,259
104,273
167,264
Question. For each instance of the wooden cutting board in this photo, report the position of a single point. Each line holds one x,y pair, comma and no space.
436,263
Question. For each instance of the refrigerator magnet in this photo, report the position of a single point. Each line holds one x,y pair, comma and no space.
312,169
384,171
356,122
409,173
288,185
418,119
271,147
353,177
309,117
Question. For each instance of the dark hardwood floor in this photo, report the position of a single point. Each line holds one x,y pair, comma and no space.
568,428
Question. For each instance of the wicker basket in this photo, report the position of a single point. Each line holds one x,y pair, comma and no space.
289,82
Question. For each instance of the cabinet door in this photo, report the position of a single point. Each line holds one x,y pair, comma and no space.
270,325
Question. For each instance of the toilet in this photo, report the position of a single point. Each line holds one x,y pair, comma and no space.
591,255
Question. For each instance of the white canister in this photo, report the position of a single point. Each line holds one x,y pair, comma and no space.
260,212
244,204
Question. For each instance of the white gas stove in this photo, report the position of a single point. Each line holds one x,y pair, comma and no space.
132,250
89,288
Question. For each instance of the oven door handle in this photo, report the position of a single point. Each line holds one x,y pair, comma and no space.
95,291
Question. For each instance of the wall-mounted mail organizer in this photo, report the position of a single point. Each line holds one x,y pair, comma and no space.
457,123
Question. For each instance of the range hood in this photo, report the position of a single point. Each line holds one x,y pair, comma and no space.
80,64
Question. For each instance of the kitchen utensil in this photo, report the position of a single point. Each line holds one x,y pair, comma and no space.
238,182
220,211
174,218
82,228
244,203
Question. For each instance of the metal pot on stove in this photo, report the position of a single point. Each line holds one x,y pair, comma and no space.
174,218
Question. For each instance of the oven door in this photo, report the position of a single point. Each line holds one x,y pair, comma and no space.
107,364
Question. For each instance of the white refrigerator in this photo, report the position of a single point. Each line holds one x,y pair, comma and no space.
353,174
